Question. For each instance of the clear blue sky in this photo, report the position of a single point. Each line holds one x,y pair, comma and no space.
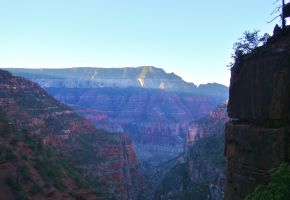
188,37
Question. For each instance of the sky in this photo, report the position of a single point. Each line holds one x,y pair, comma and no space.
191,38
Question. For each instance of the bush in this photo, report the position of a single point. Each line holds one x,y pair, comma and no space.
247,43
278,187
49,170
12,183
35,188
24,173
21,196
10,155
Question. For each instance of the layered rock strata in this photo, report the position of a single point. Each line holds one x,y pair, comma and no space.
201,174
131,100
104,157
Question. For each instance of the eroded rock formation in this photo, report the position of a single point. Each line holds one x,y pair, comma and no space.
201,175
105,157
152,106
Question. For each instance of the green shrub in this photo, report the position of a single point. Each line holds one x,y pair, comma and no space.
247,43
278,187
21,196
10,155
13,141
24,173
12,182
35,188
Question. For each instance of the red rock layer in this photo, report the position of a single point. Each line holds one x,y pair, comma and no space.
31,107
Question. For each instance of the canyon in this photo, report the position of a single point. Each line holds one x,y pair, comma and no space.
153,107
106,159
201,172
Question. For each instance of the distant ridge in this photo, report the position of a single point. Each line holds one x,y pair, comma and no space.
87,77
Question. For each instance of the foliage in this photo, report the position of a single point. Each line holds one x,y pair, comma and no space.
24,172
277,189
247,43
12,182
50,164
35,188
49,172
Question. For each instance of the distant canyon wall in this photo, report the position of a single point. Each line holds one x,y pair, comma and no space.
154,111
201,174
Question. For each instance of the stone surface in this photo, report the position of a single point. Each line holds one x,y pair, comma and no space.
251,152
255,146
260,84
257,137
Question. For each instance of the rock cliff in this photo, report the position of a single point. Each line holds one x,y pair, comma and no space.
108,159
201,175
257,136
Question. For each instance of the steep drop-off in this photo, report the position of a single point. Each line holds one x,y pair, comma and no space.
257,137
108,159
201,175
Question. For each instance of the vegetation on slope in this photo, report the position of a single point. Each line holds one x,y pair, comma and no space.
31,170
208,164
278,187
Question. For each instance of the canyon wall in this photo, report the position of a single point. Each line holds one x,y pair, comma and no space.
107,158
257,136
132,100
201,174
89,77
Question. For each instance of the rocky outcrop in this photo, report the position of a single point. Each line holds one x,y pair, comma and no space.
257,137
108,159
206,126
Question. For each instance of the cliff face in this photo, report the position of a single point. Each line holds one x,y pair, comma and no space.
156,118
147,115
30,170
107,158
258,137
206,126
201,175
